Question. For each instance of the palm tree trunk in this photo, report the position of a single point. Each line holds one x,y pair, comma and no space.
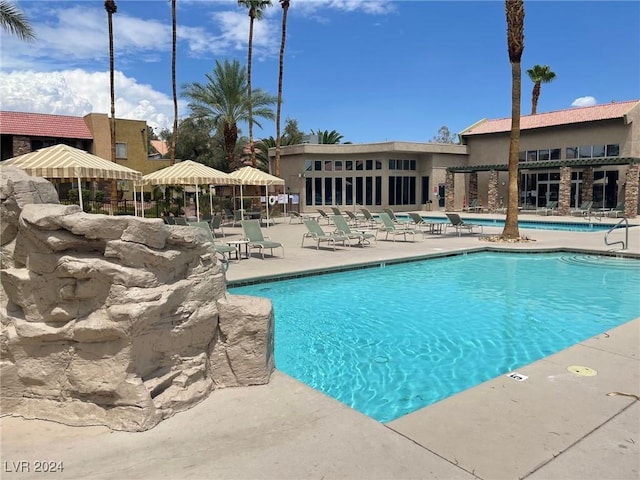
174,137
230,134
535,96
285,9
111,8
249,55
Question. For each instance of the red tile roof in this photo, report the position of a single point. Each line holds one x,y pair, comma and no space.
43,125
550,119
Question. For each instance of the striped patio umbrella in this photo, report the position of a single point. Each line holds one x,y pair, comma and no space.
189,172
65,162
253,176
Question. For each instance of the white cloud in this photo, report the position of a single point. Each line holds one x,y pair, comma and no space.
77,92
373,7
584,102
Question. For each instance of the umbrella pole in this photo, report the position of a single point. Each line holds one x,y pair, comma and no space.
197,205
135,201
241,203
266,197
80,194
210,202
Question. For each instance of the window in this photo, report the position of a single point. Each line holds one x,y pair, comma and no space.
369,166
368,183
328,165
613,150
349,190
532,155
555,154
348,165
543,155
308,191
338,191
338,165
328,191
598,151
359,164
378,165
392,164
121,150
584,151
522,156
308,165
572,152
378,190
359,199
317,165
317,193
402,190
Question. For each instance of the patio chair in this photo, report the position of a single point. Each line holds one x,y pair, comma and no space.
253,233
169,220
549,209
353,218
425,227
459,224
314,231
223,250
369,218
237,217
584,210
391,214
298,216
616,212
474,206
180,221
323,215
216,224
227,214
391,228
336,211
342,228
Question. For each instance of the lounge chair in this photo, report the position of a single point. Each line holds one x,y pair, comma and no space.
298,216
323,216
342,228
353,218
549,209
392,215
253,233
474,206
616,212
370,219
336,211
223,250
425,227
584,210
237,217
180,221
459,224
391,228
216,224
316,233
169,220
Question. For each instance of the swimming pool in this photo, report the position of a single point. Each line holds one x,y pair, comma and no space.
388,341
582,226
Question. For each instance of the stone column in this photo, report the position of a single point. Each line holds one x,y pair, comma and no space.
631,191
587,185
21,145
449,193
492,200
473,187
564,194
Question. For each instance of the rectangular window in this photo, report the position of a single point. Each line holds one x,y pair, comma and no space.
121,150
584,151
359,164
338,191
407,165
378,190
532,155
369,165
555,154
424,195
412,165
308,164
598,151
317,165
309,191
348,184
613,150
328,191
349,164
392,164
522,156
572,152
317,192
359,198
338,165
368,184
543,155
328,165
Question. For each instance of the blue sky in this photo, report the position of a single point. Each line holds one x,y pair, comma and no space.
372,70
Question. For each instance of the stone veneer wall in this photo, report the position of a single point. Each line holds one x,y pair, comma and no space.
118,321
587,184
632,178
21,145
449,193
473,188
492,201
564,194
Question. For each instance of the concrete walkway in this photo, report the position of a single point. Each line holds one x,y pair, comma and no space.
554,425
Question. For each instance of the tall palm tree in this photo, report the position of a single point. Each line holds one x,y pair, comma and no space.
515,45
539,74
256,7
111,8
15,22
285,10
327,137
224,101
174,137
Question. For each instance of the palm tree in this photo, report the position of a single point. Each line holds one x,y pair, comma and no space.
285,10
224,101
15,22
538,75
515,45
256,8
174,137
111,8
327,137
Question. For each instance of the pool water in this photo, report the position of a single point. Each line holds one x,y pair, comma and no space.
390,340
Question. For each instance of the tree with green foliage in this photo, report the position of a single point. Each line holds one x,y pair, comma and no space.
14,21
444,136
515,45
256,9
539,74
328,137
223,100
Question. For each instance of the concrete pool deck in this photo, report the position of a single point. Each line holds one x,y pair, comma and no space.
553,425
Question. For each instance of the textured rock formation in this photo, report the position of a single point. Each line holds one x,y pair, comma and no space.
116,321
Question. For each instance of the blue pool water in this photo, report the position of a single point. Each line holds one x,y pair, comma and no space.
390,340
578,226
